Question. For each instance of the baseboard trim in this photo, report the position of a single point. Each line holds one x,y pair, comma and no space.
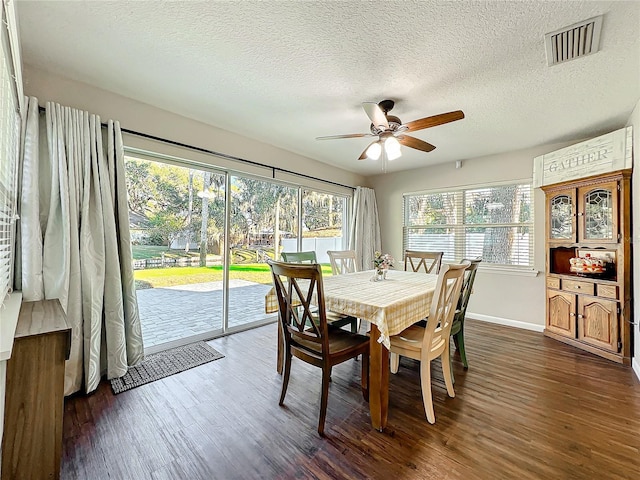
635,364
506,321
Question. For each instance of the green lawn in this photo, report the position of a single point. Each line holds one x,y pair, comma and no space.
165,277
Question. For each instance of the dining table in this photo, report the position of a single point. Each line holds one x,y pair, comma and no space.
390,305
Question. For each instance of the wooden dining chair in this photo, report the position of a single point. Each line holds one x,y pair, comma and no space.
307,335
429,262
342,261
299,257
336,319
457,327
430,342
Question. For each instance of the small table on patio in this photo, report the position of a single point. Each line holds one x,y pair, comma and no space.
390,305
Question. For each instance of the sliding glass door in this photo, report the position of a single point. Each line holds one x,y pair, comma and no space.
263,215
201,240
177,226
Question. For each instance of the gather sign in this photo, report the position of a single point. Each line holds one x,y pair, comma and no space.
606,153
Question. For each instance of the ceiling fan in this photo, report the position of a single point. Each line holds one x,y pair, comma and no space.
391,132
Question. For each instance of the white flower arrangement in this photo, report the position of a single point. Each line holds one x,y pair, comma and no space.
382,262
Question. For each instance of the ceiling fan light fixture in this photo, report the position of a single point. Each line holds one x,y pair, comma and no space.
392,155
392,148
374,151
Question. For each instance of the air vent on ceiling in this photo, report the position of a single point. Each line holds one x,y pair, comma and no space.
574,41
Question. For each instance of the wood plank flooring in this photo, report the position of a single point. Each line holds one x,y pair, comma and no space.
528,408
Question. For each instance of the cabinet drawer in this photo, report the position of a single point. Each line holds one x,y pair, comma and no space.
578,287
608,291
553,282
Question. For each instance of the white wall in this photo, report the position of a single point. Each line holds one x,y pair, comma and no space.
507,298
634,121
148,119
497,296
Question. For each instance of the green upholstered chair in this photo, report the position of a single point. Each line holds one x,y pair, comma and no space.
299,257
457,327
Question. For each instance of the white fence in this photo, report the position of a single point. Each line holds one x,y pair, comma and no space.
320,245
180,243
172,262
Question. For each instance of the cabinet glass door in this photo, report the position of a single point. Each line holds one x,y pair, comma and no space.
562,221
599,212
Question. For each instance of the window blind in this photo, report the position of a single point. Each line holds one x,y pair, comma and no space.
492,222
9,144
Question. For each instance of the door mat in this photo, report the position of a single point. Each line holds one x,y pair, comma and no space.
163,364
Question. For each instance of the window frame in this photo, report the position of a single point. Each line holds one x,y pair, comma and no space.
460,227
10,124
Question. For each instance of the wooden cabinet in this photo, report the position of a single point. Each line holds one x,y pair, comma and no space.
561,216
590,217
561,308
598,322
598,213
585,214
32,440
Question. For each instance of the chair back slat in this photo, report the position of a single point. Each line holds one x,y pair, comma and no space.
342,261
416,261
299,289
443,305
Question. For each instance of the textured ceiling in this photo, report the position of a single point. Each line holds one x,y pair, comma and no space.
287,72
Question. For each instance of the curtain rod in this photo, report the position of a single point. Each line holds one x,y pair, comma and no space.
222,155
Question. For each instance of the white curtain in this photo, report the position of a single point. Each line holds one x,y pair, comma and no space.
75,241
365,228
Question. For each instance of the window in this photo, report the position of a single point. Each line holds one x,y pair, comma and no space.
201,237
493,222
9,140
323,222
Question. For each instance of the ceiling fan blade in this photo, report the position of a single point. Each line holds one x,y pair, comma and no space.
435,120
416,143
364,152
377,116
351,135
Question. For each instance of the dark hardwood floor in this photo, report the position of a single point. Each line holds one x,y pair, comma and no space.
528,408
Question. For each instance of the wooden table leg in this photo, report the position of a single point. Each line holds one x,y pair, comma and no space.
378,380
280,359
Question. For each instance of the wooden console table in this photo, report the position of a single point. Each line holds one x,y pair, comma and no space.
32,440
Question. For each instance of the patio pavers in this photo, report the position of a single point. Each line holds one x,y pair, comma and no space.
172,313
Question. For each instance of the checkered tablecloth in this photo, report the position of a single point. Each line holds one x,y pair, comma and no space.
392,304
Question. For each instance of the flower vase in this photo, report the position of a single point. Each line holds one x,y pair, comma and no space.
380,274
